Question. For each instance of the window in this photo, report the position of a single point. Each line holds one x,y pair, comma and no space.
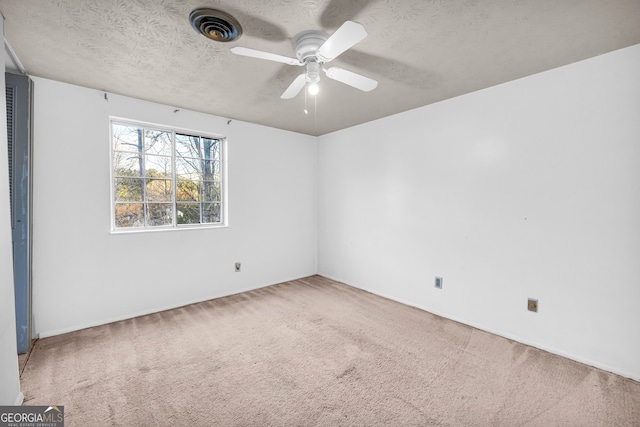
164,178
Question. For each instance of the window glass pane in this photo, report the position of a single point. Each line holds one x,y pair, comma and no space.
159,214
159,190
127,138
126,164
210,212
188,146
188,213
145,163
210,149
129,215
128,189
188,169
209,169
157,167
210,191
187,190
157,142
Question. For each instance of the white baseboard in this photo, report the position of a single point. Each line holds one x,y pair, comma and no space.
19,399
60,331
595,364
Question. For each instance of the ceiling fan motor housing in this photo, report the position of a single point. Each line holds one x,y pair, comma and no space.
307,43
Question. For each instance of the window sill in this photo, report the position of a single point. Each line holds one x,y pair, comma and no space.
139,230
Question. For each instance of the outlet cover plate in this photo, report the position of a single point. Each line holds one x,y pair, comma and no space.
532,305
438,282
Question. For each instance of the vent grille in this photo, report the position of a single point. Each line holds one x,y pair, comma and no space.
10,94
215,25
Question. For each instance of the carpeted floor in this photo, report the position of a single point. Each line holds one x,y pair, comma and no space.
313,352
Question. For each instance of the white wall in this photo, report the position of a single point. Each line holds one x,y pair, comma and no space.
83,275
527,189
9,384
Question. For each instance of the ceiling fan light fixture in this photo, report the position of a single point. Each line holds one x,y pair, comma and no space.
313,72
313,89
215,24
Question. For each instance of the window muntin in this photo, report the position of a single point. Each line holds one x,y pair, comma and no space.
164,178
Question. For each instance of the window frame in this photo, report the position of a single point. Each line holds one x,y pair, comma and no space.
173,130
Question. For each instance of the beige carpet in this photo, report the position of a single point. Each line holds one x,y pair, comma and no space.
314,352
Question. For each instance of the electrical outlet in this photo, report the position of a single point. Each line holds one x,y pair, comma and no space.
438,282
238,266
532,305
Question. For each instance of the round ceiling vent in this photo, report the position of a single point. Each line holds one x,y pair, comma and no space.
215,24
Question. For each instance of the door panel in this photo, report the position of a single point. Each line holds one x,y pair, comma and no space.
19,145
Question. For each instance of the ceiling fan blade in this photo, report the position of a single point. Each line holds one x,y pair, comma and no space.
294,88
349,34
352,79
245,51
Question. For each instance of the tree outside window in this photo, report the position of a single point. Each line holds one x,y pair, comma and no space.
164,178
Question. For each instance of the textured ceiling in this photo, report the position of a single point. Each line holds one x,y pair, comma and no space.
420,51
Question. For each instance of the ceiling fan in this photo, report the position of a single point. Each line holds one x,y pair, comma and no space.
313,50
